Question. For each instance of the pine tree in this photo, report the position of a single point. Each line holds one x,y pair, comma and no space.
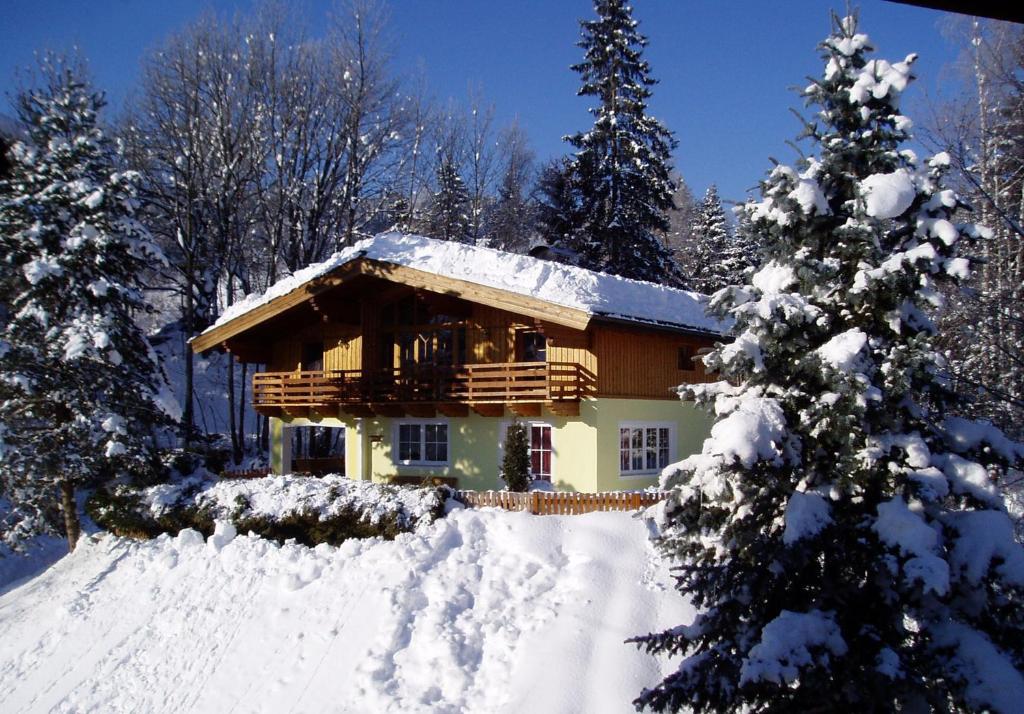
710,268
842,534
515,461
559,213
77,375
510,220
622,165
449,218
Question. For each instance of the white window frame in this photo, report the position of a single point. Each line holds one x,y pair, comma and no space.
645,472
395,429
528,423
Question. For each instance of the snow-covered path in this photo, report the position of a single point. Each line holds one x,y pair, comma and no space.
485,611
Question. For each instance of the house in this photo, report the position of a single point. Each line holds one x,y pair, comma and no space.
421,352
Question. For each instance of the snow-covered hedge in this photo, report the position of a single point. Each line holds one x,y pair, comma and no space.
310,510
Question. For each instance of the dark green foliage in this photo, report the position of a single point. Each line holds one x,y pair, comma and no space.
78,378
621,169
449,210
515,462
842,534
559,213
122,511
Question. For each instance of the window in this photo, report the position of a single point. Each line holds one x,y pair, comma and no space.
644,448
533,347
686,355
421,443
313,356
540,451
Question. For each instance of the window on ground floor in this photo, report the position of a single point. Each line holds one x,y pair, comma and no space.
541,451
644,448
421,443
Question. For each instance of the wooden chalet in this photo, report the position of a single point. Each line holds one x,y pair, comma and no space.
422,351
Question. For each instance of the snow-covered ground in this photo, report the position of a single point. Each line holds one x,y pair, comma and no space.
482,611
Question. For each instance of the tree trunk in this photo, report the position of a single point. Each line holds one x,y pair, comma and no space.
188,419
72,527
241,409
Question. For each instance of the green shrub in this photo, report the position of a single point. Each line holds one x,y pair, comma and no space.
515,463
122,512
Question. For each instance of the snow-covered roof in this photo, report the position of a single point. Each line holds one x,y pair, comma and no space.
597,294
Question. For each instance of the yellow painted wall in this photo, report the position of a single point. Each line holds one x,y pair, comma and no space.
693,426
585,448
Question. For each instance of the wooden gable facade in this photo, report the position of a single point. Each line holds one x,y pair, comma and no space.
374,339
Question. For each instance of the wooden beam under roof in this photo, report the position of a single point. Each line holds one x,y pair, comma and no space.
474,292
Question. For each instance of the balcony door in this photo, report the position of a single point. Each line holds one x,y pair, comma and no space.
531,346
312,356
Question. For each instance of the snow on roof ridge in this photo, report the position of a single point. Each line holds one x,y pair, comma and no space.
565,285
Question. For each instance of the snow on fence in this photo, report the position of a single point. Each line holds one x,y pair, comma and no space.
250,473
546,502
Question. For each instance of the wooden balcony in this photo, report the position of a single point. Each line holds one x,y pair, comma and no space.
424,390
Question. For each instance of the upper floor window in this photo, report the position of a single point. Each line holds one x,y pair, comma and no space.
312,356
532,347
686,356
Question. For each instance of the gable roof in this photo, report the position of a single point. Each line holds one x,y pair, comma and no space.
561,293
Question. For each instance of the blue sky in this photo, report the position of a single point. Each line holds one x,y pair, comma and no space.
726,67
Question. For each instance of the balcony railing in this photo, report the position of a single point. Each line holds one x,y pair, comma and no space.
496,383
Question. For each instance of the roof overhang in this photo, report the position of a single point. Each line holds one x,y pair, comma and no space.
649,325
419,279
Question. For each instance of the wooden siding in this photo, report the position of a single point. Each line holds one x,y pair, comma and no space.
285,356
343,347
615,361
574,346
636,363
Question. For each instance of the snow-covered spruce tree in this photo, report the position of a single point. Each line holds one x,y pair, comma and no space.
842,533
559,214
622,165
711,267
77,376
449,218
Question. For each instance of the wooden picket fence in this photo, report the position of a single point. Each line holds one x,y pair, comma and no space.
558,503
250,473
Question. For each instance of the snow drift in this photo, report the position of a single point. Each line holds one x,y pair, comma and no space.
483,611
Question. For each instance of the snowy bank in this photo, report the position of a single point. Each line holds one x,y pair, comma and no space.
483,611
312,510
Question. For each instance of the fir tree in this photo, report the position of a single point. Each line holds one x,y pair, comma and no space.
515,462
621,167
711,267
842,533
449,218
559,213
77,376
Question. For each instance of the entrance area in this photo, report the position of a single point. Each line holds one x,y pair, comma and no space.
318,450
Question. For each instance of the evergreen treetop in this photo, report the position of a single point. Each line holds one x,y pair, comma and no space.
622,165
449,218
712,264
842,532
